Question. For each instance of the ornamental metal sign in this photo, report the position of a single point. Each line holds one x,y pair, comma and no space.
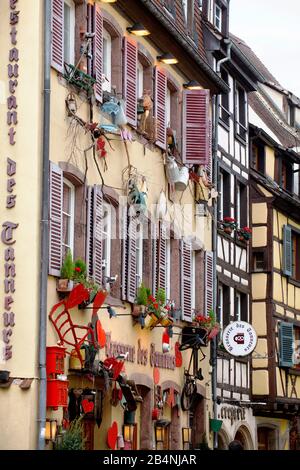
239,338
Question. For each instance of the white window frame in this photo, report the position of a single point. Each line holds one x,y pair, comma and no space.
140,80
238,306
106,240
221,304
168,269
168,107
193,283
139,252
218,17
107,74
238,204
70,58
71,216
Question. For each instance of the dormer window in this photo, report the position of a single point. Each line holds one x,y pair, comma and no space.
218,17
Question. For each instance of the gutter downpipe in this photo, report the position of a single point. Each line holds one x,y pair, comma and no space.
44,229
216,110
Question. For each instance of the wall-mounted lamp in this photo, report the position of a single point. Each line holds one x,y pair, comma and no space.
192,85
159,434
108,1
138,30
167,58
128,432
186,437
50,430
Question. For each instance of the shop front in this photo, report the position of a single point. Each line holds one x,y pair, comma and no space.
237,423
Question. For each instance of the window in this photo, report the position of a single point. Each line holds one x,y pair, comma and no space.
168,107
218,17
139,254
168,269
296,256
68,217
69,32
193,286
258,261
140,80
289,345
241,205
258,156
223,305
266,438
241,308
107,49
106,241
185,9
241,128
224,200
225,113
284,173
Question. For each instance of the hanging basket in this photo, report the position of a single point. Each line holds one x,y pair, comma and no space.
215,424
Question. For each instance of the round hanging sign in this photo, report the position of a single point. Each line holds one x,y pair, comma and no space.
239,338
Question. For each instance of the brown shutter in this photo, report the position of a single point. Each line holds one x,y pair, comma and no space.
98,52
130,79
186,281
196,127
94,233
55,233
209,260
124,241
57,35
162,256
160,98
131,274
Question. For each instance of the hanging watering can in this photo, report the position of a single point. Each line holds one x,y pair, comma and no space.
183,179
172,170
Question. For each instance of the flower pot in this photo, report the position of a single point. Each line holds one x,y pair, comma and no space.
64,285
228,230
215,424
241,238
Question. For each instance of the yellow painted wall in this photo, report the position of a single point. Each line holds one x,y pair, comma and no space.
261,350
259,213
259,320
259,286
260,382
259,236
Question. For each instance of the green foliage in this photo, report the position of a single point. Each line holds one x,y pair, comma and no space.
142,295
73,439
161,296
67,269
80,264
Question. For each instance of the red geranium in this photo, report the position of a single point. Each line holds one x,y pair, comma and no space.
229,219
77,269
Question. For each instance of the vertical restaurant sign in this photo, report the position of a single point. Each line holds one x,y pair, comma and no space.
9,227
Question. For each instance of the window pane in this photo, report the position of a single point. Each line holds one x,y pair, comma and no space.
66,230
67,33
66,199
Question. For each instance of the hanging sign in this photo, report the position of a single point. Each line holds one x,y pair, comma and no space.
239,338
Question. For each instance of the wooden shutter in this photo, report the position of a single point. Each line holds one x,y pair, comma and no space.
287,251
196,127
130,79
57,35
98,52
56,228
186,281
160,98
131,274
209,281
94,233
162,256
154,237
286,338
124,238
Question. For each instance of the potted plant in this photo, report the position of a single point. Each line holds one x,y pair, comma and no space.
141,301
65,283
208,324
73,438
244,234
228,224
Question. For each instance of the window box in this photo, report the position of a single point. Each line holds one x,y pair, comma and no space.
79,79
64,285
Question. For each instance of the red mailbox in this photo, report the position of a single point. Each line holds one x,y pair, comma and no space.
57,393
55,362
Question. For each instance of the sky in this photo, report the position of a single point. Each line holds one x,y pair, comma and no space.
272,29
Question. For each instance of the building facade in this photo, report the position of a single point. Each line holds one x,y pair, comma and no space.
129,163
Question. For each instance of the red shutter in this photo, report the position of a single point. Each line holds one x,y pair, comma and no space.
209,286
209,166
160,98
94,233
196,126
98,52
91,29
124,238
57,33
130,79
131,275
162,256
55,233
186,281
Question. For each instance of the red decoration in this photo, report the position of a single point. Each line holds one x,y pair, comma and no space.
178,355
114,365
156,375
87,406
101,337
67,331
55,356
171,398
155,414
101,148
112,436
57,393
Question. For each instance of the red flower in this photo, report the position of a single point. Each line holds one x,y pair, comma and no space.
167,308
229,219
151,298
155,306
247,229
78,270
